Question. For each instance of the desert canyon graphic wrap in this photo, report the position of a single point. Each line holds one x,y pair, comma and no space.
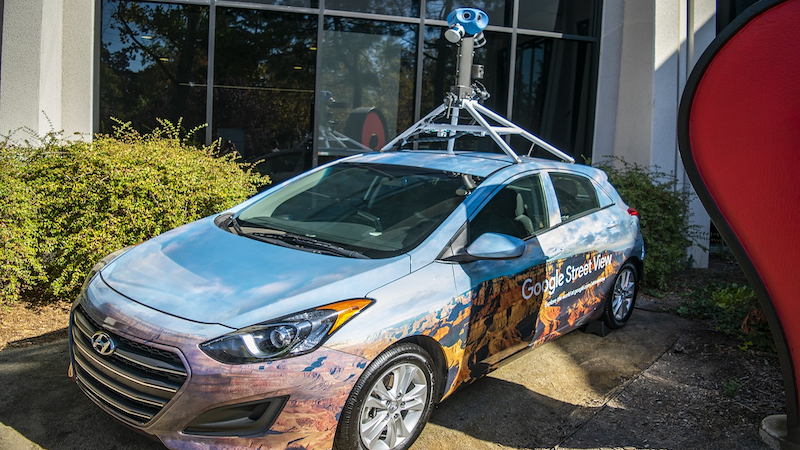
501,316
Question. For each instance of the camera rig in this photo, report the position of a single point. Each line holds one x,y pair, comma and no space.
466,27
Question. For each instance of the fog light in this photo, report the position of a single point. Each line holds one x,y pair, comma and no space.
243,419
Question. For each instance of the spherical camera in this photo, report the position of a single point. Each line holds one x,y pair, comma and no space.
465,22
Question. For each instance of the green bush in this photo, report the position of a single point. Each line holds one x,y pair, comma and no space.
735,311
20,268
663,215
94,198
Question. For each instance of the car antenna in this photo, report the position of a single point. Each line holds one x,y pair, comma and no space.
466,27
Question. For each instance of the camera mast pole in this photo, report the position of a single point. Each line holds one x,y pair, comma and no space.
466,30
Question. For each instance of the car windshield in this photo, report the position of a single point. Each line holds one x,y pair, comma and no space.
377,210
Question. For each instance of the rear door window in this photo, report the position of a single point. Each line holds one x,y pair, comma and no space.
576,195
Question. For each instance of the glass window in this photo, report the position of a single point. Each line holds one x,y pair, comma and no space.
519,210
367,82
439,68
264,70
563,16
499,11
405,8
153,64
297,3
576,195
728,10
554,93
154,56
377,210
284,164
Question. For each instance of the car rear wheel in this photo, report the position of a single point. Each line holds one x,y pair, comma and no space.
623,297
390,403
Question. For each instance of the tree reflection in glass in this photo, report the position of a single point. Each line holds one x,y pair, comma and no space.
264,69
405,8
499,11
153,63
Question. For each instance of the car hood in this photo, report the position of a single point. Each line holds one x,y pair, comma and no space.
202,273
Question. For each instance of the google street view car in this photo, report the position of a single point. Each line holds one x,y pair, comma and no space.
336,309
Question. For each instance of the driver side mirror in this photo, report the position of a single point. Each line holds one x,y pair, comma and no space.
495,246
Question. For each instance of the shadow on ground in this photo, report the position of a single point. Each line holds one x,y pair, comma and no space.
46,409
544,397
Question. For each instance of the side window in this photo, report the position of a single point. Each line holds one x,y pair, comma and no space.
519,210
576,194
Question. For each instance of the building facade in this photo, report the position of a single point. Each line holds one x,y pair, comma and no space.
596,78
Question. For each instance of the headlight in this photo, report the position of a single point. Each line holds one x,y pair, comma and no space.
292,335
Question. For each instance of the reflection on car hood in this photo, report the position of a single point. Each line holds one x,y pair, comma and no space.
202,273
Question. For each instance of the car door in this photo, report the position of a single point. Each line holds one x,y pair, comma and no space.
504,307
590,231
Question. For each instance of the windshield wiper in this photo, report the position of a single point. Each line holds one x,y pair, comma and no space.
235,223
285,239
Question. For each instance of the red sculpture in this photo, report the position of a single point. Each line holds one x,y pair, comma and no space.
739,132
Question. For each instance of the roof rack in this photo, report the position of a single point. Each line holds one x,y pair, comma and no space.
466,30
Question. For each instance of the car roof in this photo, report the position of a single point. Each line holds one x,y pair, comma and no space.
473,163
480,164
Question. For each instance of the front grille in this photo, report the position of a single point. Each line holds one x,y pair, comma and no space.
134,382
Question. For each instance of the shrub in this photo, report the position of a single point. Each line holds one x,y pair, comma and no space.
735,311
663,214
94,198
20,268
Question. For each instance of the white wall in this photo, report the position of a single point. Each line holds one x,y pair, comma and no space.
78,63
646,53
46,68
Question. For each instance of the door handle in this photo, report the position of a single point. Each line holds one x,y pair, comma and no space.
552,252
612,224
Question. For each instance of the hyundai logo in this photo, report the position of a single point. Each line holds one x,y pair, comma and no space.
102,343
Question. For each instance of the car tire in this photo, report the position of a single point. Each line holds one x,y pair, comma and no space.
622,298
391,402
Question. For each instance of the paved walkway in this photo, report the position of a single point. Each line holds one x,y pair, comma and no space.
578,392
547,398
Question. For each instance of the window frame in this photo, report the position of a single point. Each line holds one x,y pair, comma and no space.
603,200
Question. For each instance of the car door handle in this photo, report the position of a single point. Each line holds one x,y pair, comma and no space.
552,252
612,224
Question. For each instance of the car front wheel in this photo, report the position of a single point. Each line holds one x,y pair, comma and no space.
623,297
390,403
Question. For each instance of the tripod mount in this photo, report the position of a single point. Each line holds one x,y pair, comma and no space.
466,27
